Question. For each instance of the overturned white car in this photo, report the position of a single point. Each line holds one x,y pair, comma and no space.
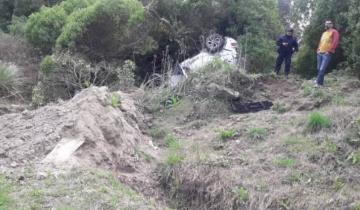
217,46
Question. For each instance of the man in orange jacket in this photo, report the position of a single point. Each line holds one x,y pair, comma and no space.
327,46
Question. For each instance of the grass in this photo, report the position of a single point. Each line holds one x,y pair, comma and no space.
172,101
292,140
65,207
338,100
172,142
330,147
5,199
339,184
227,134
307,89
7,79
158,133
356,207
354,157
242,193
318,121
257,133
285,162
298,143
76,189
35,193
174,159
280,108
294,177
148,158
115,100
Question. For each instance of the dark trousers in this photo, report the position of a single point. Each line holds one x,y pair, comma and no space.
279,61
323,61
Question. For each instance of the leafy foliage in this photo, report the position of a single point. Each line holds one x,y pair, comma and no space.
43,28
352,40
321,10
96,27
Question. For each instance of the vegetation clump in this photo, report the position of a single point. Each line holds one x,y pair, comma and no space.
257,133
228,134
317,122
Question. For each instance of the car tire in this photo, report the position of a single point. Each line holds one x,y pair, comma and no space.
214,43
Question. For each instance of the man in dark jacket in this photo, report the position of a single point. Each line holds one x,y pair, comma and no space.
287,45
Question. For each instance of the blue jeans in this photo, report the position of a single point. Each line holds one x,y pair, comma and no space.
323,61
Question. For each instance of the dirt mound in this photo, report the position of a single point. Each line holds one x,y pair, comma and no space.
95,128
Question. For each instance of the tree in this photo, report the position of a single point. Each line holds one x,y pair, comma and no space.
323,10
352,39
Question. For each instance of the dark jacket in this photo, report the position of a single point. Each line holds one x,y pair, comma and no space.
290,48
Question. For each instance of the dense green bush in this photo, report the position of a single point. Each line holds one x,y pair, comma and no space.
44,27
98,28
352,40
20,8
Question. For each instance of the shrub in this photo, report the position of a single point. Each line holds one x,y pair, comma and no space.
98,28
47,65
126,75
228,134
317,122
38,95
65,73
18,26
44,27
8,79
257,133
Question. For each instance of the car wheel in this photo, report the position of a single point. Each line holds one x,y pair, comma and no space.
214,43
